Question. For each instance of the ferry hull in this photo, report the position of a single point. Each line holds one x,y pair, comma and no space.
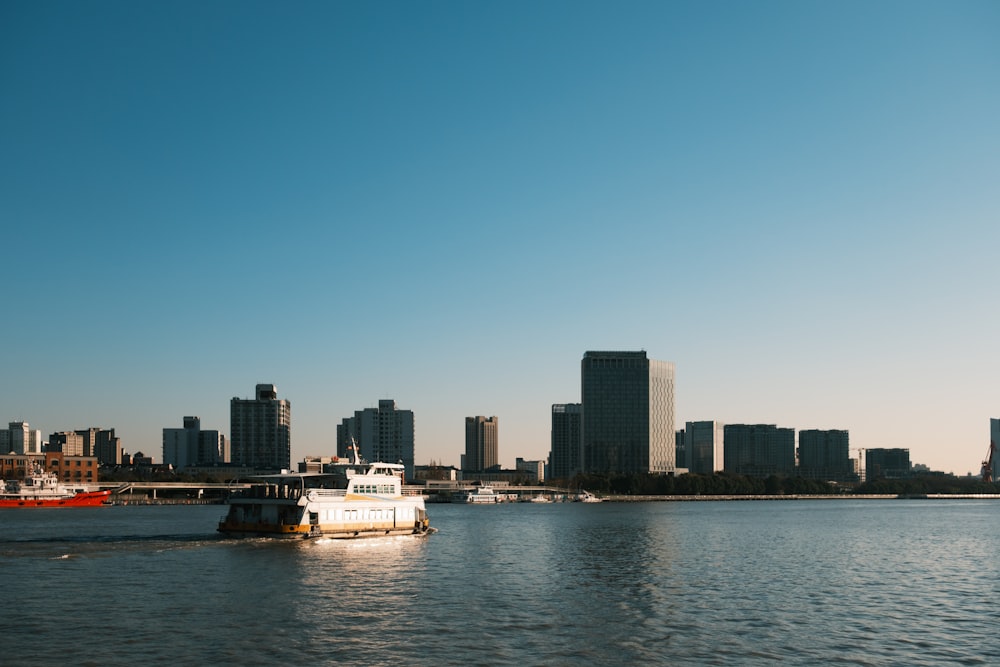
293,521
306,531
87,499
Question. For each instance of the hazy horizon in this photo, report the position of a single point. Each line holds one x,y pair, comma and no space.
446,204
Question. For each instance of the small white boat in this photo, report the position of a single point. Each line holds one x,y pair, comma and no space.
484,495
587,497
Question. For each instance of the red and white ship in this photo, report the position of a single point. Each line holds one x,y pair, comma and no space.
43,489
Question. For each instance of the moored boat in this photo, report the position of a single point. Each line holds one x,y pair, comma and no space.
587,497
484,494
43,489
346,500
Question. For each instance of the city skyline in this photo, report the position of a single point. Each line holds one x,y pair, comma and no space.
855,453
794,203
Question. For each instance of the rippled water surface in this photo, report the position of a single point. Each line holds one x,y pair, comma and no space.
715,583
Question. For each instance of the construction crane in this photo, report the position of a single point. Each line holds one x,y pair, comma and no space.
987,471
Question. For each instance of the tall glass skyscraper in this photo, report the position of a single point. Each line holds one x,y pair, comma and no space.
564,456
628,413
703,445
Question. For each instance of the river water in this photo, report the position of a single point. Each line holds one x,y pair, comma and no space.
866,582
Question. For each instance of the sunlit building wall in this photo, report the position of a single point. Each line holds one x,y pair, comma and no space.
70,443
102,444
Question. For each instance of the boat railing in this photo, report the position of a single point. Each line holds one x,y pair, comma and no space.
326,493
268,492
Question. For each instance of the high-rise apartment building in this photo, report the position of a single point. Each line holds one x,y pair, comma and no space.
191,446
481,443
704,447
628,413
260,430
384,434
825,455
887,463
759,450
564,454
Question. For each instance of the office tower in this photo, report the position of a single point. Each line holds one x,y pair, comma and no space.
19,438
534,469
759,450
102,444
995,431
887,463
481,443
628,413
70,443
213,448
564,455
825,455
180,445
383,434
704,447
191,446
261,430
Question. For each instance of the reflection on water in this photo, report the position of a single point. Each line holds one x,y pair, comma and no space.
804,582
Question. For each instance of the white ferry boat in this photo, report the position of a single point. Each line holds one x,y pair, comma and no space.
485,495
346,500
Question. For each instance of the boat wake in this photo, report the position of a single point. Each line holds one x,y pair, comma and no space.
64,548
109,539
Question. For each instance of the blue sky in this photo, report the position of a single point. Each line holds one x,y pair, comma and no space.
447,203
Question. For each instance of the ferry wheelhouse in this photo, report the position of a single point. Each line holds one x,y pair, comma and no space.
346,500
